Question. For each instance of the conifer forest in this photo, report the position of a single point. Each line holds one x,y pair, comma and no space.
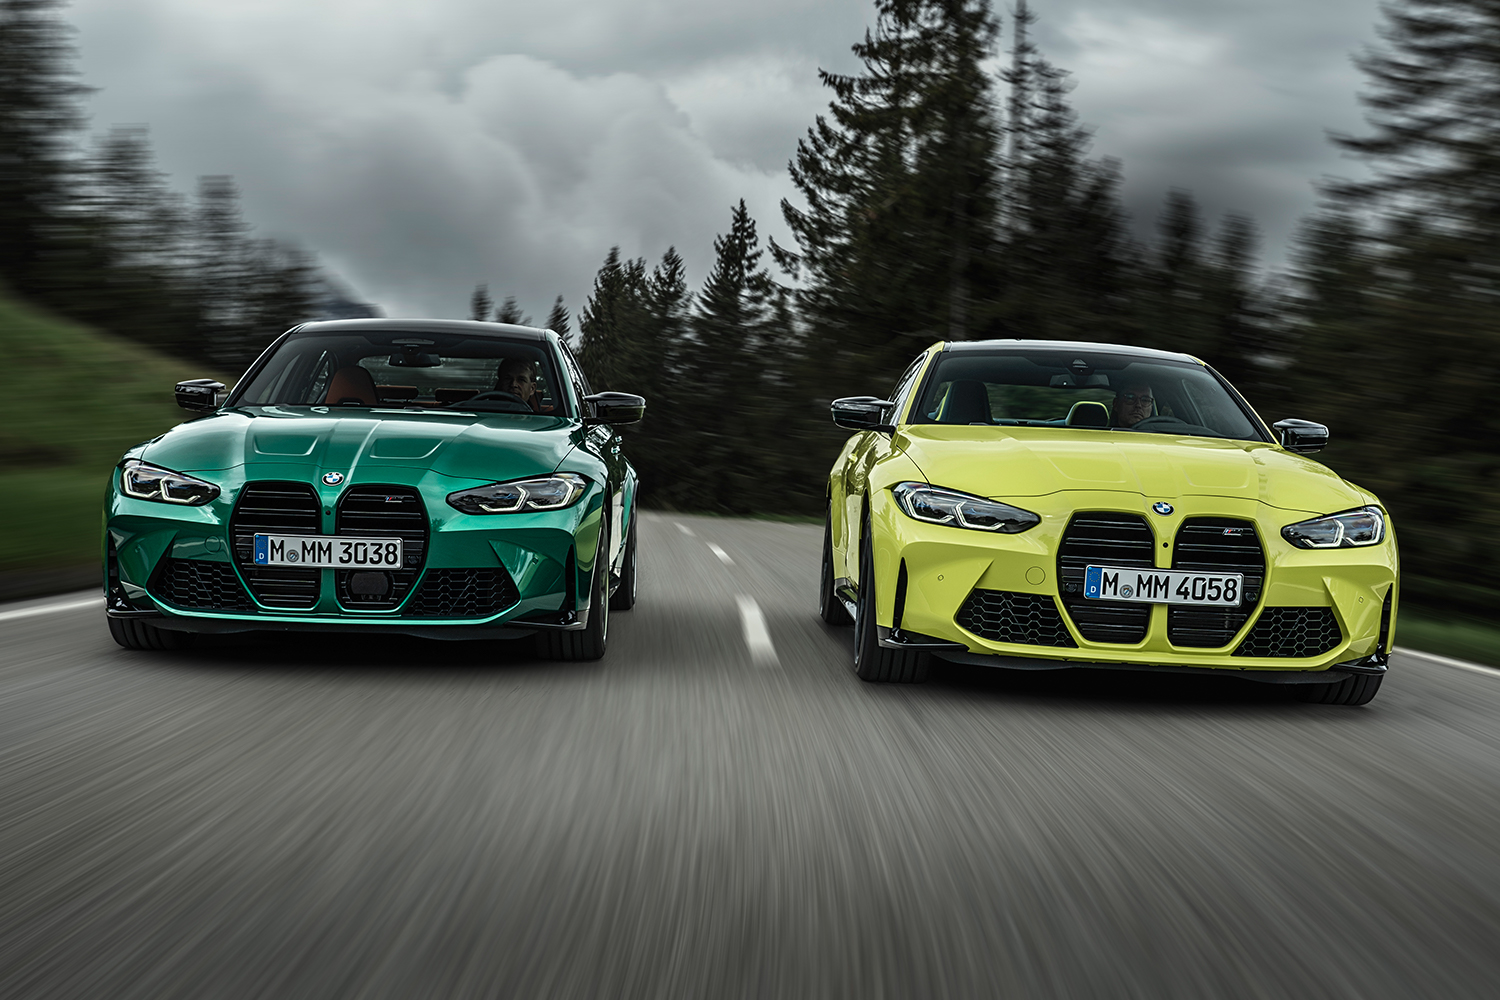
948,192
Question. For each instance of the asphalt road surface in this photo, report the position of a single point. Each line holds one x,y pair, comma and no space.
721,809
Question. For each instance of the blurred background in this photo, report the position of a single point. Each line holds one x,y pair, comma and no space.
640,186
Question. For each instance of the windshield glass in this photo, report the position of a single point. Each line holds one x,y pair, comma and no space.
1081,389
396,369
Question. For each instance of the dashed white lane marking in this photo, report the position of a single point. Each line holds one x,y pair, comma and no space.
1449,661
723,556
757,636
684,528
70,604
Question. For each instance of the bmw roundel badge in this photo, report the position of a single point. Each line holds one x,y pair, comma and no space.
334,478
1161,506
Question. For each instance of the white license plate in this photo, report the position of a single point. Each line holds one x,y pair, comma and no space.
321,551
1162,586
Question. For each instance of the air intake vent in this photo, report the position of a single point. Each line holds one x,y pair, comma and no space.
200,586
1216,545
1102,538
1292,632
373,511
1002,616
463,593
283,509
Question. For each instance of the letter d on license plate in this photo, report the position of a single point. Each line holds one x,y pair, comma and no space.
1162,586
327,551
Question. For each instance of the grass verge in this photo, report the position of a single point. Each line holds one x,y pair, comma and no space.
1460,638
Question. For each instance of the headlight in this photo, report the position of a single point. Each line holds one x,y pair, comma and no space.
547,493
148,482
936,505
1351,529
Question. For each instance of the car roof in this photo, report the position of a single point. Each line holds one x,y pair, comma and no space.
461,327
1021,346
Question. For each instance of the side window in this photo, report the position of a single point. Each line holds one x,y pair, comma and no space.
575,374
905,385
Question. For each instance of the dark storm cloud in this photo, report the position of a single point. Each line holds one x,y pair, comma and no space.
422,148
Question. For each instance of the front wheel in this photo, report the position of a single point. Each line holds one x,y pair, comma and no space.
585,643
133,634
1356,689
624,595
872,662
830,608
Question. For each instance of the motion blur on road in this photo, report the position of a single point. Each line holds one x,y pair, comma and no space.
720,808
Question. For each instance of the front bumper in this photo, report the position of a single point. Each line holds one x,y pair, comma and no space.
925,573
532,570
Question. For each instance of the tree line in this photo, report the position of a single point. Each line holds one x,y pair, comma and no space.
93,231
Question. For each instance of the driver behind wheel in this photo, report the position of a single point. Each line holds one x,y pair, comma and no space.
517,376
1132,404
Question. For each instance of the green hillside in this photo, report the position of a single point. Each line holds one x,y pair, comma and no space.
71,401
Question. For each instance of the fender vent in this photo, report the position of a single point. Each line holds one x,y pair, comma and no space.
1108,539
1292,632
285,509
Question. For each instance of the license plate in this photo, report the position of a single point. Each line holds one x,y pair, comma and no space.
322,551
1162,586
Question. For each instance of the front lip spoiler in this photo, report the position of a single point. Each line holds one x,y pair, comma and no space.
1372,665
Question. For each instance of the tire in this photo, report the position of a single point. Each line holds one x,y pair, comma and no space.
586,643
830,608
872,662
133,634
623,598
1356,689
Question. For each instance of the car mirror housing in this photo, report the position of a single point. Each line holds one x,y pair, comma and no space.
201,395
862,413
614,408
1301,436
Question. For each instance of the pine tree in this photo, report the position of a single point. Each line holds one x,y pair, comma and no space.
510,312
900,191
221,269
480,303
558,320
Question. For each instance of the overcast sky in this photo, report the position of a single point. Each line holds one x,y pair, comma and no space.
423,147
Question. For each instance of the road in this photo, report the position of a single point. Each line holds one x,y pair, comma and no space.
721,809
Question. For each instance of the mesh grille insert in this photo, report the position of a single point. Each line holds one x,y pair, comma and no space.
1216,545
283,509
374,511
463,593
1108,539
201,586
1002,616
1292,632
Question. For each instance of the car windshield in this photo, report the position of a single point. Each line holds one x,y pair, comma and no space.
396,369
1081,389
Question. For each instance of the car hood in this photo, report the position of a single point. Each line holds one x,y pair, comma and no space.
466,446
1008,462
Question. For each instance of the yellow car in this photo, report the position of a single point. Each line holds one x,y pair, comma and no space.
1041,505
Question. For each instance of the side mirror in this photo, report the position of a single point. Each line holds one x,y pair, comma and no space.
200,395
862,413
1301,436
614,408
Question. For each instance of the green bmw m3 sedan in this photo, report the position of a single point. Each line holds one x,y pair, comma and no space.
435,478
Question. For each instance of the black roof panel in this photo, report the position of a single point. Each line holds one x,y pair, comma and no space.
459,327
1022,346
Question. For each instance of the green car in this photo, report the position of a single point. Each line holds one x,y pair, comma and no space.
435,478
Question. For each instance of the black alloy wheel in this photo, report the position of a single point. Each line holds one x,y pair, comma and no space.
623,598
1356,689
872,662
586,643
830,608
133,634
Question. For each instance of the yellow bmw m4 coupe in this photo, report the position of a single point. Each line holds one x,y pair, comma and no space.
1041,505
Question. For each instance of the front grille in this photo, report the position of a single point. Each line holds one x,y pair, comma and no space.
372,511
1216,545
1002,616
283,509
1292,632
200,586
1104,538
463,593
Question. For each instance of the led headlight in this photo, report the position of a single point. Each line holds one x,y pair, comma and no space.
936,505
552,492
1351,529
149,482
